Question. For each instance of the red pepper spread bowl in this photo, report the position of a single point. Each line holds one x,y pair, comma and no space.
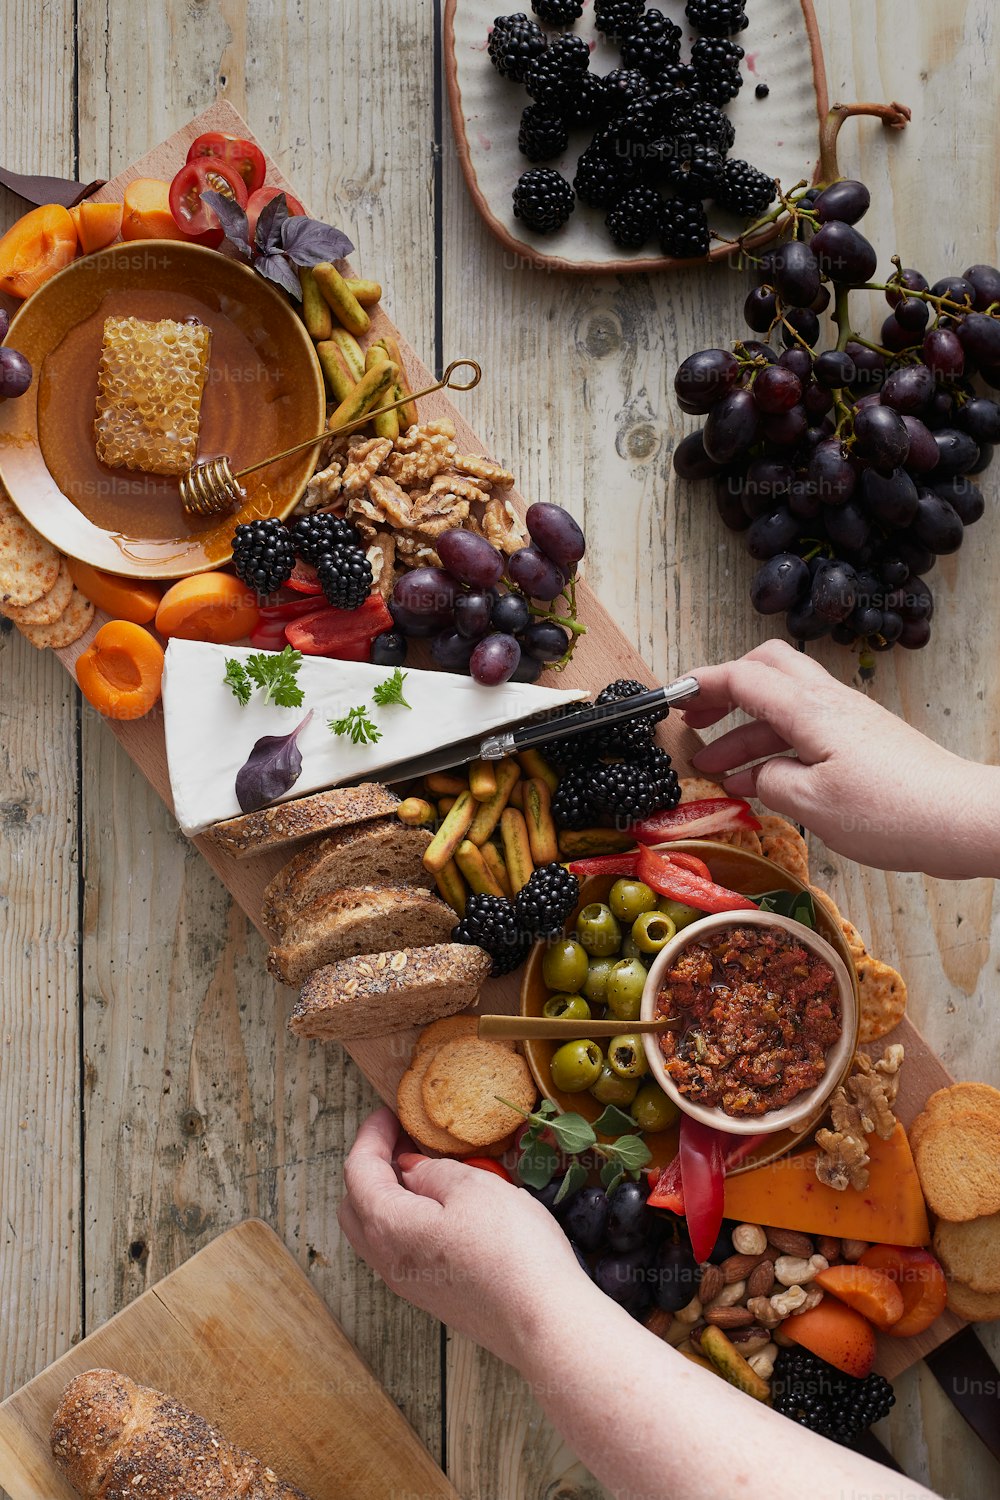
765,1021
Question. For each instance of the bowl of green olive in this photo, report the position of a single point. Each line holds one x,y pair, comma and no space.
598,970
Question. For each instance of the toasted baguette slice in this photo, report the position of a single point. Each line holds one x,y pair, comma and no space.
381,851
360,919
285,822
383,992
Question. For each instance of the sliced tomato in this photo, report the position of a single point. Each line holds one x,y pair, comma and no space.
487,1164
259,200
191,214
244,156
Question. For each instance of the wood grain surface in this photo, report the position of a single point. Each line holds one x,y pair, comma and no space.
172,1105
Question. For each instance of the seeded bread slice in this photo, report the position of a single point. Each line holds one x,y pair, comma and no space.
383,850
358,920
285,822
383,992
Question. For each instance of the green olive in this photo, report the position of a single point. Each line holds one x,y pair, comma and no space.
595,986
630,897
681,916
567,1008
612,1088
652,1110
625,986
631,949
652,931
626,1056
597,929
576,1066
564,966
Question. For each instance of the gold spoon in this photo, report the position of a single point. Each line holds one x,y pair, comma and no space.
556,1028
211,487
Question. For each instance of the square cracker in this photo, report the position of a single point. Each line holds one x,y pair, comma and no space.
74,621
47,609
29,565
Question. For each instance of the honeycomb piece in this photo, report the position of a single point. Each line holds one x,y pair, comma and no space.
149,388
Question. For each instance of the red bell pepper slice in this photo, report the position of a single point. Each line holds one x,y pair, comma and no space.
695,820
703,1175
669,879
689,862
665,1185
606,864
330,632
304,579
268,635
487,1164
289,609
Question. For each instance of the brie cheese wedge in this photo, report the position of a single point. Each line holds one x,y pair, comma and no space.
210,735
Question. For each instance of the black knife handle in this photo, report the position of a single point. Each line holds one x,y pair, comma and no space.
971,1381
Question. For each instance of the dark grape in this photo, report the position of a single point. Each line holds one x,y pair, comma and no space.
630,1220
786,428
832,474
754,349
834,591
980,337
917,602
893,570
892,626
772,533
908,279
779,584
731,427
845,256
918,558
980,418
451,650
545,640
760,309
923,453
943,353
473,614
864,619
909,389
834,368
985,281
704,378
891,499
804,624
956,289
15,374
585,1218
625,1279
936,524
804,322
729,504
412,624
821,301
880,436
427,593
556,532
798,361
983,461
535,574
844,634
389,649
817,400
795,274
846,200
804,500
690,459
528,669
675,1277
776,389
957,452
768,477
965,498
469,558
494,659
511,613
915,634
893,335
869,364
912,313
848,527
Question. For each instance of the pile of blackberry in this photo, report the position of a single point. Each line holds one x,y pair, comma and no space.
506,929
820,1397
265,552
661,142
615,774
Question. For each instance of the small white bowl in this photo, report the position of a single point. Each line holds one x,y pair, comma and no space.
806,1104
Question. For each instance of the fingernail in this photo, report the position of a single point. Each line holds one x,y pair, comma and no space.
409,1159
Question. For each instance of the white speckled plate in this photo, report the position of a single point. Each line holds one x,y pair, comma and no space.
779,134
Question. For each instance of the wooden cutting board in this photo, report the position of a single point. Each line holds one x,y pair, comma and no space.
239,1335
603,654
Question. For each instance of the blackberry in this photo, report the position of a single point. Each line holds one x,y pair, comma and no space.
543,904
346,577
822,1398
514,42
551,77
543,199
652,43
587,102
635,735
542,135
322,532
558,12
616,17
666,786
602,176
683,229
717,64
622,87
717,17
707,123
677,75
634,217
655,116
623,789
573,804
744,190
490,923
263,555
695,169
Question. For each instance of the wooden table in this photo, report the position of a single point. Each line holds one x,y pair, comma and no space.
149,1093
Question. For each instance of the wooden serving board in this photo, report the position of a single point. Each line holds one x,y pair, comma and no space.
239,1335
602,655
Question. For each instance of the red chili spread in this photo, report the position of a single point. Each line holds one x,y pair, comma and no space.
756,1013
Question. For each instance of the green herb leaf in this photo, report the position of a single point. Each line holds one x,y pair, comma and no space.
573,1132
537,1164
237,681
547,1108
615,1121
274,672
357,726
797,905
612,1173
630,1151
391,690
575,1179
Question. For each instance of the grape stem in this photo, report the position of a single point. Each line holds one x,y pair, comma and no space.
893,116
568,622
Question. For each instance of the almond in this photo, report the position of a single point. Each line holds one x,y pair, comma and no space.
659,1321
738,1267
829,1247
790,1242
747,1340
729,1317
711,1284
760,1282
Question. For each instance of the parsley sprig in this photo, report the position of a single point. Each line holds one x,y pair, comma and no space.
539,1159
357,725
273,672
391,690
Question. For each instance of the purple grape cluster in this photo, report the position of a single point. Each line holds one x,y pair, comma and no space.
15,371
476,626
850,464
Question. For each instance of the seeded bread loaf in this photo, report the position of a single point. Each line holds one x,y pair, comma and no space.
383,992
286,822
382,850
360,919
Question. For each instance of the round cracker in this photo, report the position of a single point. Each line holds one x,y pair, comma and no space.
47,609
464,1084
29,565
974,1307
74,621
741,838
883,997
958,1162
970,1251
413,1116
695,788
949,1101
782,843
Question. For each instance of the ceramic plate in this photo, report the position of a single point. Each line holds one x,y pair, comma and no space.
779,134
740,871
264,393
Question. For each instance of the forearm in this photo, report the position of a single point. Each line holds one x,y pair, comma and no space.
649,1423
961,831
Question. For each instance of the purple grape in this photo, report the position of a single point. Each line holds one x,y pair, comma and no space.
546,641
985,281
556,532
411,624
980,337
804,624
980,418
911,281
773,533
797,360
923,453
779,584
834,368
473,613
731,427
817,401
528,669
917,558
585,1218
495,659
893,335
956,289
834,591
690,459
943,353
909,389
776,389
15,373
936,524
915,634
917,602
795,274
704,378
427,593
847,200
389,649
891,499
880,436
832,475
511,613
892,626
535,574
804,500
805,323
957,451
848,527
470,558
912,313
965,498
864,619
845,256
754,349
869,364
729,504
625,1279
760,309
767,477
451,650
786,428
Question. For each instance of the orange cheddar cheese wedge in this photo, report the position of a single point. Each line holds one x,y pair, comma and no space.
788,1194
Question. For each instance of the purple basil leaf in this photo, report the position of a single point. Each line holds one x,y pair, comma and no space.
235,224
310,243
269,225
279,269
272,768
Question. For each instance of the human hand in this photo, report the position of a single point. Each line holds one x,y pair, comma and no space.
476,1252
868,784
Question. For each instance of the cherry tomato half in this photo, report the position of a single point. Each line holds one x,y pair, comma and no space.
193,216
244,156
487,1164
262,197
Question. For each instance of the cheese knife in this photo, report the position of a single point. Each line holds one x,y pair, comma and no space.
537,733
